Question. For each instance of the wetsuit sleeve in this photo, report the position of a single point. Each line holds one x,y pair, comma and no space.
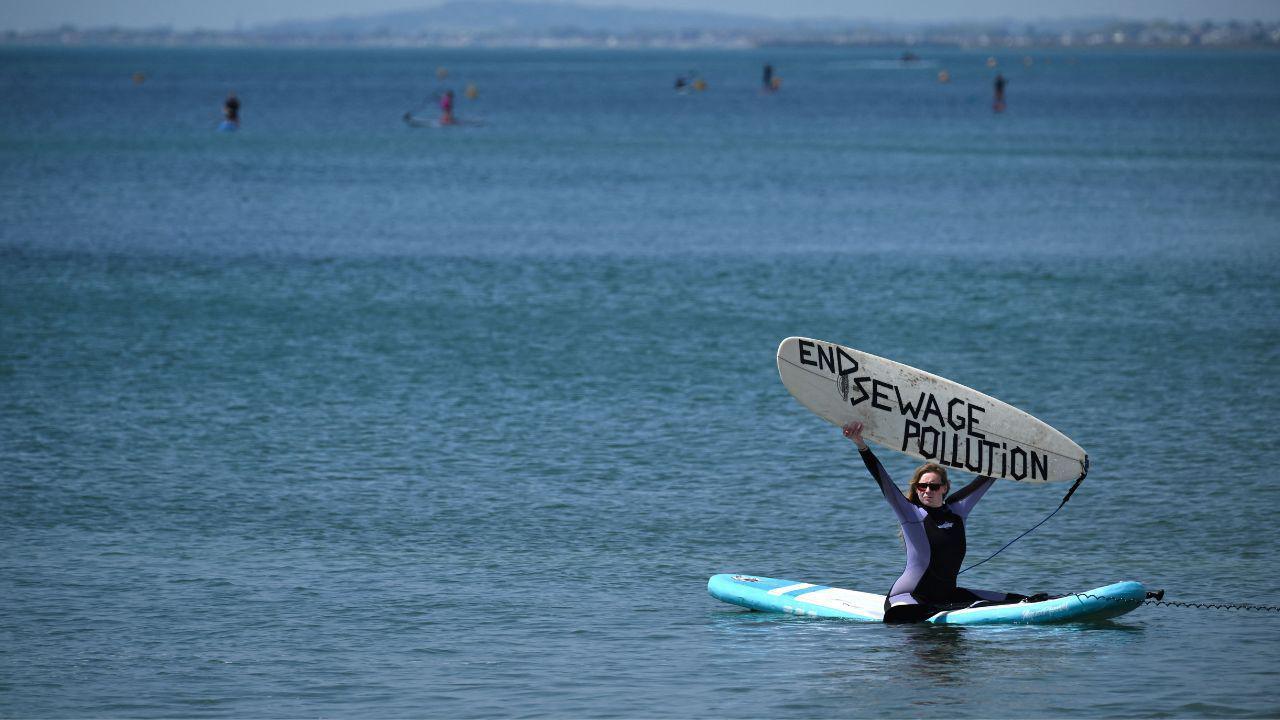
901,506
962,502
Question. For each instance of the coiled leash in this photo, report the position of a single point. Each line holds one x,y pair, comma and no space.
1157,598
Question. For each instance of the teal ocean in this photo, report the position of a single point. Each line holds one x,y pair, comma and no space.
337,417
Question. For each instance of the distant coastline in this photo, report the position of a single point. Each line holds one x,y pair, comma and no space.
1267,37
506,23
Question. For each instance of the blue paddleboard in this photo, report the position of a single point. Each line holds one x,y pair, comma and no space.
799,598
419,122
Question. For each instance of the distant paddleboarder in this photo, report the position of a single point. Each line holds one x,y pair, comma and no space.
230,113
998,103
446,109
769,83
445,101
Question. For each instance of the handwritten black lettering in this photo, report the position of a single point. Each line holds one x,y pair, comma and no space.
829,357
952,420
877,394
1017,463
857,382
930,435
1039,465
805,347
911,429
905,407
973,421
841,356
932,408
970,454
991,458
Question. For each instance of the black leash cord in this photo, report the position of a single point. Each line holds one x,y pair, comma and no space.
1153,598
1065,498
1157,598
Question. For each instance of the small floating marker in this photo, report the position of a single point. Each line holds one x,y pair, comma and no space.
991,62
944,77
139,78
471,92
442,72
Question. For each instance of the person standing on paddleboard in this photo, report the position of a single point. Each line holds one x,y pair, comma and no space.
231,109
932,523
446,109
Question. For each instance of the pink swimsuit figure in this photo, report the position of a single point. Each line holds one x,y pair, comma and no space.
446,108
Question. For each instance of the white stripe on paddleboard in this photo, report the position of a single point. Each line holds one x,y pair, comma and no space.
789,588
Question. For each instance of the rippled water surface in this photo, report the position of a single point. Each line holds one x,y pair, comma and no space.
335,417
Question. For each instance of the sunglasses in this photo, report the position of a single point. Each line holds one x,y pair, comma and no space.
930,486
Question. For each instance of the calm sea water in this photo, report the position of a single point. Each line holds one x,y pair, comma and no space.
335,417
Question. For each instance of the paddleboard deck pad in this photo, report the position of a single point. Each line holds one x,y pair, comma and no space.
806,599
926,416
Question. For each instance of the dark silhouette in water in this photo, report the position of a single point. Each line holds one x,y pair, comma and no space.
230,113
231,108
769,82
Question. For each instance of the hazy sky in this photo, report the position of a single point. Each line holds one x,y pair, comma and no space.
225,14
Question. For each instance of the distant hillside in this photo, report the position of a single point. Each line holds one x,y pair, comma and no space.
548,24
506,16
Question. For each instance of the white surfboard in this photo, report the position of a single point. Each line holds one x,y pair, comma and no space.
926,416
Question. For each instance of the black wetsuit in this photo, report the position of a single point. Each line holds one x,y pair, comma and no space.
935,549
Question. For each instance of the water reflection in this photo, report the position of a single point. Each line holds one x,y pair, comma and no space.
947,655
835,667
939,652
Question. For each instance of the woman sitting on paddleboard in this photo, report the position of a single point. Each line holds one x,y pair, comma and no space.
933,531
